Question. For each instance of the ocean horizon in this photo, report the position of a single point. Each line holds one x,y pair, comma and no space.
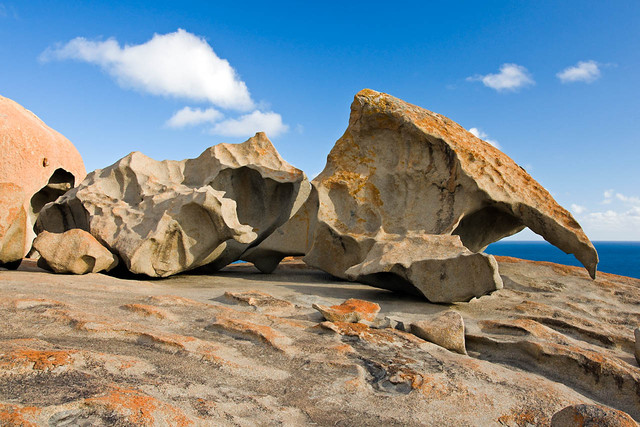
617,257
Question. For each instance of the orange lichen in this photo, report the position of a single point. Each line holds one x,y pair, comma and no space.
147,310
251,330
36,359
352,310
139,408
524,417
23,416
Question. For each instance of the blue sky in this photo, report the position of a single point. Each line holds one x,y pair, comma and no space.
555,84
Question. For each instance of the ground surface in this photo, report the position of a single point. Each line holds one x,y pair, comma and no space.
97,350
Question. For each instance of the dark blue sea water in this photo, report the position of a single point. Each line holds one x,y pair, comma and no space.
615,257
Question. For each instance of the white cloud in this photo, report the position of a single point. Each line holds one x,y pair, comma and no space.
628,199
583,71
510,78
480,134
577,209
178,64
612,225
193,116
249,124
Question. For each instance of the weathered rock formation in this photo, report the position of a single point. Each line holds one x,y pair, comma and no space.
242,348
437,267
446,330
74,251
401,174
162,218
38,165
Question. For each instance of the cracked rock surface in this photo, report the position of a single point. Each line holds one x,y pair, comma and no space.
242,348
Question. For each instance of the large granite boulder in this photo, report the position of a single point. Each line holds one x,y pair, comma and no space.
38,165
400,170
162,218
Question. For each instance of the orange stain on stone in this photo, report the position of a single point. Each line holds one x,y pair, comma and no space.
12,415
147,310
139,408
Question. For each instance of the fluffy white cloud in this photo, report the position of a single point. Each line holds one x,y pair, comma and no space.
510,78
178,64
249,124
193,116
583,71
480,134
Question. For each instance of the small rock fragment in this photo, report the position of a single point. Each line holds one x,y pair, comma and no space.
397,323
591,415
74,251
350,311
258,299
446,330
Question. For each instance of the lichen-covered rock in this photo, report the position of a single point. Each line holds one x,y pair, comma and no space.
402,170
351,311
38,165
445,330
74,251
591,415
162,218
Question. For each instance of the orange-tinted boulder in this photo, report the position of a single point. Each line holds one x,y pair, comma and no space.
38,165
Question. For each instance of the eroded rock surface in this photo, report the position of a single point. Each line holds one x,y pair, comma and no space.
38,165
241,348
400,170
446,330
74,251
162,218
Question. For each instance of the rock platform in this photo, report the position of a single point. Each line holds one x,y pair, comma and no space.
244,348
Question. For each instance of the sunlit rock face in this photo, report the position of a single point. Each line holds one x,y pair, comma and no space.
38,164
165,217
401,170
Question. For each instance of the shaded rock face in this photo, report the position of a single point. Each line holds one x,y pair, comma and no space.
400,170
162,218
38,165
74,251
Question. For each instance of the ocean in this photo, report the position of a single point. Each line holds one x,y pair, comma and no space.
621,258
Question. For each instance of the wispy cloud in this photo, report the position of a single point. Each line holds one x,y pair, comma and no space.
248,124
578,209
510,78
193,116
178,64
620,221
480,134
3,11
583,71
611,195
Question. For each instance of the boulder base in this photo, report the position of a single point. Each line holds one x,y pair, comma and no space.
74,251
